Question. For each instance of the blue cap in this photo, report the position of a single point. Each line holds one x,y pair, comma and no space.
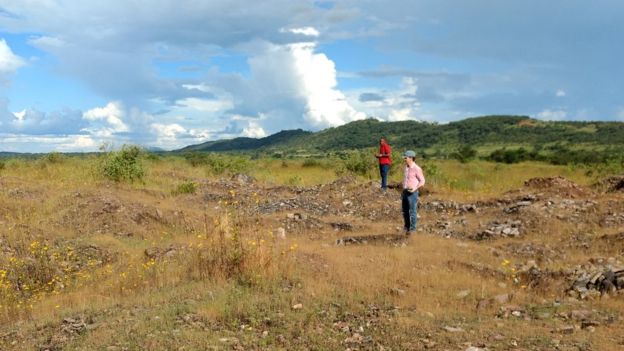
409,153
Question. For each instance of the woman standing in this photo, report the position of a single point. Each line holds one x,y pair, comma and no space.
413,179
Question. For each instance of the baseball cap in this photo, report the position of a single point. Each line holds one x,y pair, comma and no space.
409,153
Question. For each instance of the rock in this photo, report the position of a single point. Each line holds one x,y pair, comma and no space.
473,348
619,283
397,291
280,233
243,179
453,329
502,298
297,306
354,339
567,329
462,294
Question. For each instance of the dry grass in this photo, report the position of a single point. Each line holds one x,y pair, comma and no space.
217,276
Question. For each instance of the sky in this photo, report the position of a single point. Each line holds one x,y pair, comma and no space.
75,75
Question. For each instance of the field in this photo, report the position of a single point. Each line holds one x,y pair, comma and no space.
283,254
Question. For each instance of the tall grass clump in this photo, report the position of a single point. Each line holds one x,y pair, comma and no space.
123,165
185,188
231,251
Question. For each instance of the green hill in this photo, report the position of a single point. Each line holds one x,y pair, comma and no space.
485,132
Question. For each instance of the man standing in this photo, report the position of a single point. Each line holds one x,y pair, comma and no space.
413,179
384,162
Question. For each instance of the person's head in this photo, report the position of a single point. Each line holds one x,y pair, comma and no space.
409,156
382,140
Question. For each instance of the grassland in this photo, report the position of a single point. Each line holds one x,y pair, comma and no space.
192,258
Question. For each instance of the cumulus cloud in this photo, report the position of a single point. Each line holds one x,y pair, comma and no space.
307,31
9,62
254,130
398,104
106,120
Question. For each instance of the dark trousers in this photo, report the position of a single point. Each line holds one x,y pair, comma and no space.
383,171
409,202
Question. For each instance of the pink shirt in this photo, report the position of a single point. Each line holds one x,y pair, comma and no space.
413,177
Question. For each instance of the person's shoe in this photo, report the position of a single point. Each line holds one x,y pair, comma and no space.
409,232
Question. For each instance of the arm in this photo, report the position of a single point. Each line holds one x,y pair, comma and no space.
420,177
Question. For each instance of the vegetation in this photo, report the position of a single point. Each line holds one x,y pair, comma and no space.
482,134
123,165
146,270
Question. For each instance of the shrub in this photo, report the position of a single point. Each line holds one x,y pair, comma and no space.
358,163
123,165
2,165
464,154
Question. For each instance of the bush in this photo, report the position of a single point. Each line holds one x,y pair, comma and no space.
359,163
123,165
464,154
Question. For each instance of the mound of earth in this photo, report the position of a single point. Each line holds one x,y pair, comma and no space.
558,185
611,184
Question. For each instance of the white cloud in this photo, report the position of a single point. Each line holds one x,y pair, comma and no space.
9,62
399,104
79,143
46,42
167,132
326,104
112,115
205,105
552,115
560,93
308,31
254,130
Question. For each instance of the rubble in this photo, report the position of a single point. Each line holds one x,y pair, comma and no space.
496,229
599,275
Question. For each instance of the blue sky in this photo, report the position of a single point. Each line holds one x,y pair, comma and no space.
170,73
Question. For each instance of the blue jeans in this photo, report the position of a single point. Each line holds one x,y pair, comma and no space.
383,171
409,202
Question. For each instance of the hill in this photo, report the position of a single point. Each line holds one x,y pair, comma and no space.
245,144
499,131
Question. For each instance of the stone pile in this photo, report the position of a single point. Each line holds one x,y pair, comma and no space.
496,229
447,206
598,277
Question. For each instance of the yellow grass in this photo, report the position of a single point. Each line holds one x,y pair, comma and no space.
232,281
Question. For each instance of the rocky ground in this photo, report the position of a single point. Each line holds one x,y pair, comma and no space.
553,249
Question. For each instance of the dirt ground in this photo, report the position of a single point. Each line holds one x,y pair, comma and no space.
540,267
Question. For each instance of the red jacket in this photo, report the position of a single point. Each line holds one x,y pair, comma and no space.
385,149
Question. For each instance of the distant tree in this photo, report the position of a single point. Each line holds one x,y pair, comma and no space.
464,154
